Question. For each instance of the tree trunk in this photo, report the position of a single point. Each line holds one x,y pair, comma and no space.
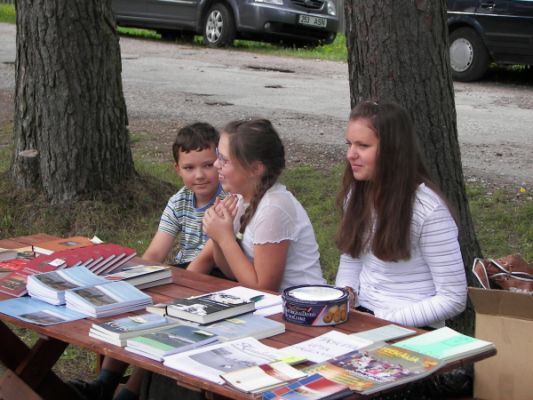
69,104
398,51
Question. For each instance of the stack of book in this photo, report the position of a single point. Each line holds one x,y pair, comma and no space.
206,308
98,258
106,299
142,276
14,275
51,286
162,343
117,331
245,325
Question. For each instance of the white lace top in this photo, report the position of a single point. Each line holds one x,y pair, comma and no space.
279,216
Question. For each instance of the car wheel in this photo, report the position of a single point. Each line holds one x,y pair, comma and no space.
219,26
469,57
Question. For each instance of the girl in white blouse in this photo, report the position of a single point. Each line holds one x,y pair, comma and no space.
272,244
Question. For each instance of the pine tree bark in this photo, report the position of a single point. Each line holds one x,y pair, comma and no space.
69,103
398,51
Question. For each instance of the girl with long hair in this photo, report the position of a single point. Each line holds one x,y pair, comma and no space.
268,242
399,241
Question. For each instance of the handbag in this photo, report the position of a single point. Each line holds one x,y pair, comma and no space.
508,273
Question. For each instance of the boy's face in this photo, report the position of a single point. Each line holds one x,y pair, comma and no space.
197,170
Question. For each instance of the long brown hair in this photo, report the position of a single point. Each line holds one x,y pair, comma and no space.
376,214
256,140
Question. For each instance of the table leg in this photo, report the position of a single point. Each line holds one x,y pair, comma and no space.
32,367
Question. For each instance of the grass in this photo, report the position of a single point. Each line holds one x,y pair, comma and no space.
7,13
130,214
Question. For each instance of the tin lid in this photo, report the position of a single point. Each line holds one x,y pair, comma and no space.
315,293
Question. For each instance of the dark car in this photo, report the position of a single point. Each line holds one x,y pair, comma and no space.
300,22
485,31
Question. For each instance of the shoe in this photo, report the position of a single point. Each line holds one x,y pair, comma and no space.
89,390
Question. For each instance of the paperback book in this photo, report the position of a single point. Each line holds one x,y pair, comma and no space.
210,307
52,246
384,333
38,312
143,276
51,286
328,345
119,330
14,275
445,344
211,361
265,303
162,343
245,325
109,298
312,387
262,377
376,368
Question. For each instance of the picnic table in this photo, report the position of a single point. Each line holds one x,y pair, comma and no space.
29,372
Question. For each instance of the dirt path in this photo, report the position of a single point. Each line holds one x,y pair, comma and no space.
167,85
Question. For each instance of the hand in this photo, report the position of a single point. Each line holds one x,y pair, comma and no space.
353,301
230,202
218,222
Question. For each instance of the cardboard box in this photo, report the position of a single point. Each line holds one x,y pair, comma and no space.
505,319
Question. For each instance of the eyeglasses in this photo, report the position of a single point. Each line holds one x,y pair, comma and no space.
223,161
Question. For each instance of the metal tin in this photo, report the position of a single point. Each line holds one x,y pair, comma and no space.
316,305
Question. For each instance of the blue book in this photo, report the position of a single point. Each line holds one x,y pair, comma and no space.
38,312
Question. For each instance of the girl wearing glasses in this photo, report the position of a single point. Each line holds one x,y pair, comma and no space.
401,254
268,241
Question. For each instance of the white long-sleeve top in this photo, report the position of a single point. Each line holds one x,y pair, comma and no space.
424,290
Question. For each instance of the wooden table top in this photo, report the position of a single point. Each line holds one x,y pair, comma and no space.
186,283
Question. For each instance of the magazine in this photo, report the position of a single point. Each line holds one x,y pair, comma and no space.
377,367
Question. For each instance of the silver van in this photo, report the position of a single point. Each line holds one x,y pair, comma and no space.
293,22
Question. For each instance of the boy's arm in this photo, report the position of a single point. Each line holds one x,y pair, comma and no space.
159,247
204,262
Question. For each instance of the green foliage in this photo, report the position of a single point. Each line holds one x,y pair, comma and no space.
137,32
502,221
8,14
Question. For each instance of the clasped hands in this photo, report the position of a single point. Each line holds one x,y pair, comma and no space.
218,220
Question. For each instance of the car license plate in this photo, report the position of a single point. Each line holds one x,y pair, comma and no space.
312,21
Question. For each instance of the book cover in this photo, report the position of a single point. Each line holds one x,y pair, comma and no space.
445,344
37,312
170,341
140,274
384,333
14,283
106,299
211,361
245,325
265,303
52,246
312,387
377,367
328,345
209,307
262,377
118,330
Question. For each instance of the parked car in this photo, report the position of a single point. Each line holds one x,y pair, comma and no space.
299,22
485,31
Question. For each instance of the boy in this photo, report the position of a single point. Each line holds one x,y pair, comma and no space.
194,152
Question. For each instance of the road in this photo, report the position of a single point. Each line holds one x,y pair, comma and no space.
166,84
